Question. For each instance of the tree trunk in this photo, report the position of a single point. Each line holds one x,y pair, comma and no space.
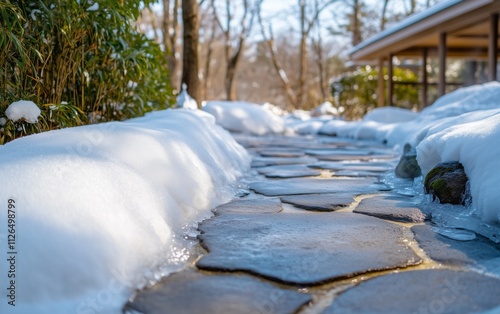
302,54
356,25
206,72
190,21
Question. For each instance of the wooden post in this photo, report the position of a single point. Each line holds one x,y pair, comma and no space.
493,48
442,64
380,91
425,79
390,82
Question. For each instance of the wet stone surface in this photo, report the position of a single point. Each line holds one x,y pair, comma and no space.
361,166
190,292
320,202
265,205
303,249
288,171
480,253
425,291
273,161
281,152
295,228
391,207
316,186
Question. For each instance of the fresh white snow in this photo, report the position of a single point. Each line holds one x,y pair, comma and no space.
463,126
102,209
245,117
184,100
23,109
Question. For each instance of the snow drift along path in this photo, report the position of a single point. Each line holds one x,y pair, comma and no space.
99,207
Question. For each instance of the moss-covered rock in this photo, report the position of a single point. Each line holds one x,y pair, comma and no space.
447,182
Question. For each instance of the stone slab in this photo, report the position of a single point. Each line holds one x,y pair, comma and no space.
259,205
358,174
281,152
320,202
288,171
303,249
479,252
361,166
190,292
273,161
316,186
353,157
391,207
424,291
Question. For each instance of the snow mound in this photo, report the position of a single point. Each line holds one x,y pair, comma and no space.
475,145
467,99
390,115
325,108
184,100
23,109
101,209
245,117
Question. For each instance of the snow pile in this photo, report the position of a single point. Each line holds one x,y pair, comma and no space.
374,125
245,117
100,207
23,109
325,108
475,145
184,100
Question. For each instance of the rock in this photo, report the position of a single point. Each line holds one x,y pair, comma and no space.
192,292
422,291
447,182
303,248
288,171
480,253
320,202
316,186
259,205
408,166
391,207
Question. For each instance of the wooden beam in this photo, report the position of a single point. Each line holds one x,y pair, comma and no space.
380,91
442,64
425,80
493,47
390,82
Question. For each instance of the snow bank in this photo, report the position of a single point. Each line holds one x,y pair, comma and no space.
325,108
101,209
245,117
23,109
475,145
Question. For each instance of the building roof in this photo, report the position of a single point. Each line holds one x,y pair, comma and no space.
466,23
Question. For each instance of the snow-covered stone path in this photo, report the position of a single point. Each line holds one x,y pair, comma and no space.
319,232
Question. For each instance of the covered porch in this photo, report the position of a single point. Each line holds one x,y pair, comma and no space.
462,29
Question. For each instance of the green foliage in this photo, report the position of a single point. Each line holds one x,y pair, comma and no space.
356,91
78,65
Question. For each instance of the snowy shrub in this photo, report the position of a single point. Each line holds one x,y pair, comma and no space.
84,54
356,91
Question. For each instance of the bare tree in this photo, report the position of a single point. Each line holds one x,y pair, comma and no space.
306,25
233,54
270,42
190,19
170,31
